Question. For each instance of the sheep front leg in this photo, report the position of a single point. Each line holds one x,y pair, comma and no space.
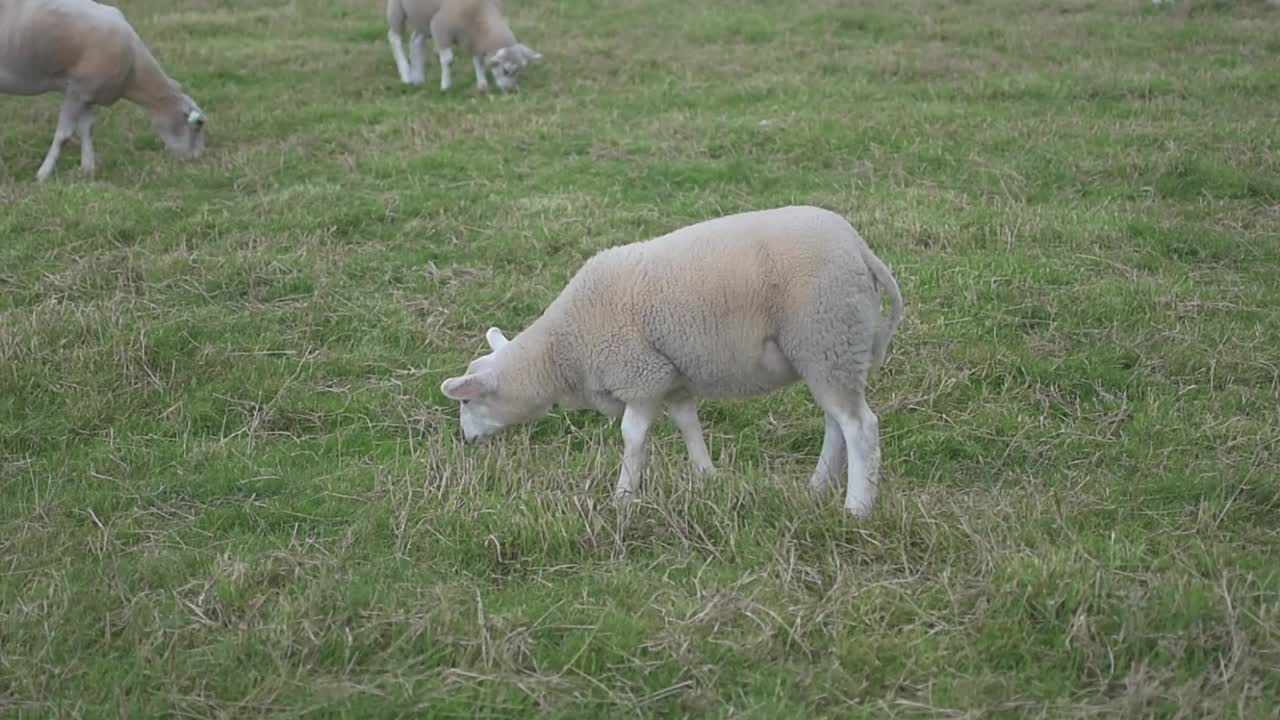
67,117
482,82
446,61
417,58
636,420
85,126
684,413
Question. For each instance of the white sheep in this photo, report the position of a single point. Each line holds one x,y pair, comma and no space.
474,25
735,306
93,55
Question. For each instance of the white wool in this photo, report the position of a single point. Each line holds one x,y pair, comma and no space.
736,306
477,26
90,53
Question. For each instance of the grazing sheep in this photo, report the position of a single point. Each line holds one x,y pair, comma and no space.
93,55
735,306
474,25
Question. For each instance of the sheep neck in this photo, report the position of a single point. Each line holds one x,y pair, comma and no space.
493,33
539,377
149,86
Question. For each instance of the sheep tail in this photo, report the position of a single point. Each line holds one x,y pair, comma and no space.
885,280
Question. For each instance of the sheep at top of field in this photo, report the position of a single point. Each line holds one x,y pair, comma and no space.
93,55
734,306
477,26
1273,3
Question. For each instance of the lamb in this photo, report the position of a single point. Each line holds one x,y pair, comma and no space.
474,25
739,305
93,55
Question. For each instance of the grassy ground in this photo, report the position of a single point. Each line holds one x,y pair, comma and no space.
230,487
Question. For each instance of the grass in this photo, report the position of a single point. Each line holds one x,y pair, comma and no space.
230,486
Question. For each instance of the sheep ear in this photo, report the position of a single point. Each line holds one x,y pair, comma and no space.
496,339
468,387
530,54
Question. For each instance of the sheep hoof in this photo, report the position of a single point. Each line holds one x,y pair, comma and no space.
858,511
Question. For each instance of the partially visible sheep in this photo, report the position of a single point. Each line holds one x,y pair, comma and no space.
739,305
93,55
1274,3
474,25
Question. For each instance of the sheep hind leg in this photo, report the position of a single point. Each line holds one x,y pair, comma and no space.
85,126
397,52
871,446
857,427
67,117
832,458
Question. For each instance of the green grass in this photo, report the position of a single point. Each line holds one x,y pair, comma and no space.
230,486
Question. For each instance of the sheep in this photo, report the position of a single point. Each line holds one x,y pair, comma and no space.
475,25
738,305
93,55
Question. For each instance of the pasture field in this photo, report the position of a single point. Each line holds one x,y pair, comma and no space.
230,486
